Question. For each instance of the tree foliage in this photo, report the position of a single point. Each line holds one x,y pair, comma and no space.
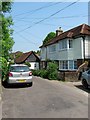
49,37
6,39
6,6
3,67
38,52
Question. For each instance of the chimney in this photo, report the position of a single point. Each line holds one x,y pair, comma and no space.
59,31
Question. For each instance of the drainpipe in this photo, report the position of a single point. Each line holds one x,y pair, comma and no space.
83,47
46,59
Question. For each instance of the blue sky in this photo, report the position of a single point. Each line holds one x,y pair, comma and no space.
28,35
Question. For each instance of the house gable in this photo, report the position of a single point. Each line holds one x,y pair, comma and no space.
32,58
29,56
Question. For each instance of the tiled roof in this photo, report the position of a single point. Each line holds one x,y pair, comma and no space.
24,56
75,32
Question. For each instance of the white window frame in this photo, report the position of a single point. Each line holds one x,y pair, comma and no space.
70,43
62,65
52,48
63,44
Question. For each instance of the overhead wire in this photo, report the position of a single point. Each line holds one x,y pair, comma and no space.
64,17
33,11
49,16
27,39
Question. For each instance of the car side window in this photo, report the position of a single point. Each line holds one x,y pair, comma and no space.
89,72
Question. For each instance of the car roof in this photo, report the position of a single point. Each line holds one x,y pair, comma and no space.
18,65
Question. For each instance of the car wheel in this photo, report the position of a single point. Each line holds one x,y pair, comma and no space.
85,84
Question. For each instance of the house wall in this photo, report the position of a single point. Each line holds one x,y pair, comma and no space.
52,55
87,47
78,48
34,65
75,53
43,54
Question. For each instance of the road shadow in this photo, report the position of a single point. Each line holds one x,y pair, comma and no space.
14,86
82,88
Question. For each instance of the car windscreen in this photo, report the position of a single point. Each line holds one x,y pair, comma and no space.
19,68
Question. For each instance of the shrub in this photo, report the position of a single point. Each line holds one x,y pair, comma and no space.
28,64
43,73
3,67
53,76
52,71
36,72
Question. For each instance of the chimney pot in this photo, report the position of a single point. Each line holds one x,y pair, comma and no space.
59,31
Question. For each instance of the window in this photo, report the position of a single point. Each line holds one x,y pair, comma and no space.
52,48
70,65
75,64
63,44
19,68
70,43
43,50
63,64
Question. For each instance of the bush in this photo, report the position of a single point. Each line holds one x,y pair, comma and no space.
43,73
3,67
50,73
53,76
36,72
28,64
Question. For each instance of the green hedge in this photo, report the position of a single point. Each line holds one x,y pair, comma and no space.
50,73
3,67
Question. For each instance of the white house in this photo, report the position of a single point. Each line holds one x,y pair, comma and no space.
30,57
68,48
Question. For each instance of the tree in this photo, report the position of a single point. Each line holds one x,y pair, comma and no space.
38,52
49,37
6,39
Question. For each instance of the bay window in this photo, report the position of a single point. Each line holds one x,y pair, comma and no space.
70,43
67,65
52,48
63,44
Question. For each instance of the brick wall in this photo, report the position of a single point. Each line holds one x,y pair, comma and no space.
68,76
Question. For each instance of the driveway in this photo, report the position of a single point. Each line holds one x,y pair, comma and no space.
45,99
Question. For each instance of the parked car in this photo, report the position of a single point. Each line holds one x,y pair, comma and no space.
86,78
19,73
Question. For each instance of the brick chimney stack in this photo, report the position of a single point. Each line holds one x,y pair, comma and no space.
59,31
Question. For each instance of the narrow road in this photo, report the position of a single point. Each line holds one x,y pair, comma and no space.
45,99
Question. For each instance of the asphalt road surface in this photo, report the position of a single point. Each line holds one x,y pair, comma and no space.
45,99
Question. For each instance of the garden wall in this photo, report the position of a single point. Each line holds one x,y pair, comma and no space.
68,76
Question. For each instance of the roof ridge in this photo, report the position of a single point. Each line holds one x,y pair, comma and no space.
83,27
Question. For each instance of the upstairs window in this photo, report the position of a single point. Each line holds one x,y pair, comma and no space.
70,44
63,44
52,48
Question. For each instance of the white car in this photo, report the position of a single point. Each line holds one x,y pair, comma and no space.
19,73
86,78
